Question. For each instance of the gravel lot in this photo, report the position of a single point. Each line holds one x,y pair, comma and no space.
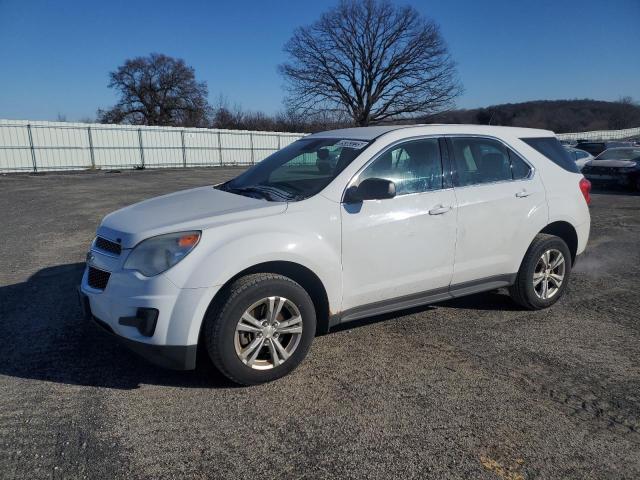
471,388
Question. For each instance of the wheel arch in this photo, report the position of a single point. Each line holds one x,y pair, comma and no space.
566,232
300,274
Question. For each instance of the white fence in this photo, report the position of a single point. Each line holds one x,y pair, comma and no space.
44,146
601,135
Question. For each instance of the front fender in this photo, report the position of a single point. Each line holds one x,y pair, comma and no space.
225,261
307,236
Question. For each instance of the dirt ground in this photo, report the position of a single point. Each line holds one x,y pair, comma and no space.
471,388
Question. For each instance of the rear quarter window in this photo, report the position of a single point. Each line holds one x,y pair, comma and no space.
551,148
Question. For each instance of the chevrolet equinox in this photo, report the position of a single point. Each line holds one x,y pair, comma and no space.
334,227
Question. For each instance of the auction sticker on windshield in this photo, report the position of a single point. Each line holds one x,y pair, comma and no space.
351,144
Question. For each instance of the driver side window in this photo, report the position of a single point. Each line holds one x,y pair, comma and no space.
413,166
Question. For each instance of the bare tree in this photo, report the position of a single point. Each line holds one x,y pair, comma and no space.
157,90
371,60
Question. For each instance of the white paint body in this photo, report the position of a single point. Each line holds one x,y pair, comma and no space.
387,249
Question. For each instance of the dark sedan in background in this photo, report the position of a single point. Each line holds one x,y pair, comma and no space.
615,166
597,147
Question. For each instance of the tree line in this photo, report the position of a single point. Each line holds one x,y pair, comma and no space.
558,115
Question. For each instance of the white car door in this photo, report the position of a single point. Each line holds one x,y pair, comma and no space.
404,245
501,207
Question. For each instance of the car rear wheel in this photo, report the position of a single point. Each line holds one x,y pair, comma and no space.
544,273
260,329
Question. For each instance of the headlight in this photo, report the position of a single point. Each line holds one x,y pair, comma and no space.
158,254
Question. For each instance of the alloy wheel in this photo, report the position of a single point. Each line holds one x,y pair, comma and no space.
549,274
268,333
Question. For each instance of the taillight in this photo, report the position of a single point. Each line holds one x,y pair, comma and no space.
585,188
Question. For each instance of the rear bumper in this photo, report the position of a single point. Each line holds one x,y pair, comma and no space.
583,232
174,357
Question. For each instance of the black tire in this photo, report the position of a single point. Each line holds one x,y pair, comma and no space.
226,311
522,291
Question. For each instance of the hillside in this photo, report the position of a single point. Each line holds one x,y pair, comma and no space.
557,115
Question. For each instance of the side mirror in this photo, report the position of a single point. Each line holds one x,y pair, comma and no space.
371,189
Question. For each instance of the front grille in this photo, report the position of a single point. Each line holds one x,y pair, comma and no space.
97,278
108,246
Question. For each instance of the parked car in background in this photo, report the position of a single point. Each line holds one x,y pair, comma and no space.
579,156
596,148
335,227
618,166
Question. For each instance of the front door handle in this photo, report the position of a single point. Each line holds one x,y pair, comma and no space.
523,194
439,210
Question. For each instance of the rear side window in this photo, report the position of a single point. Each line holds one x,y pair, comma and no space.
479,160
551,148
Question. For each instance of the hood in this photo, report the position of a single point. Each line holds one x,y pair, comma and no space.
612,163
194,209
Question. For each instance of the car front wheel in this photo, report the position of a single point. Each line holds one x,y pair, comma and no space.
260,329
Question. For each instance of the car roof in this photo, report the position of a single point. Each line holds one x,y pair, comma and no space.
371,133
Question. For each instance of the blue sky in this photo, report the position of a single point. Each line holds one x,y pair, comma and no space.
55,55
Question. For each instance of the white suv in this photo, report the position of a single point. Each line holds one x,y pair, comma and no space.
337,226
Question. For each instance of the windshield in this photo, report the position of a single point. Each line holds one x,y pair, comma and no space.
619,154
298,171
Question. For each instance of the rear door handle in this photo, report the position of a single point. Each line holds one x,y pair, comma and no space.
439,210
523,194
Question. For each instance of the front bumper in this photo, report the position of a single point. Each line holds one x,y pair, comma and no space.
172,342
174,357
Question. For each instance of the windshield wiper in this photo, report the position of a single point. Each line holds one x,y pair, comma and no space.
278,192
250,192
295,193
266,192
